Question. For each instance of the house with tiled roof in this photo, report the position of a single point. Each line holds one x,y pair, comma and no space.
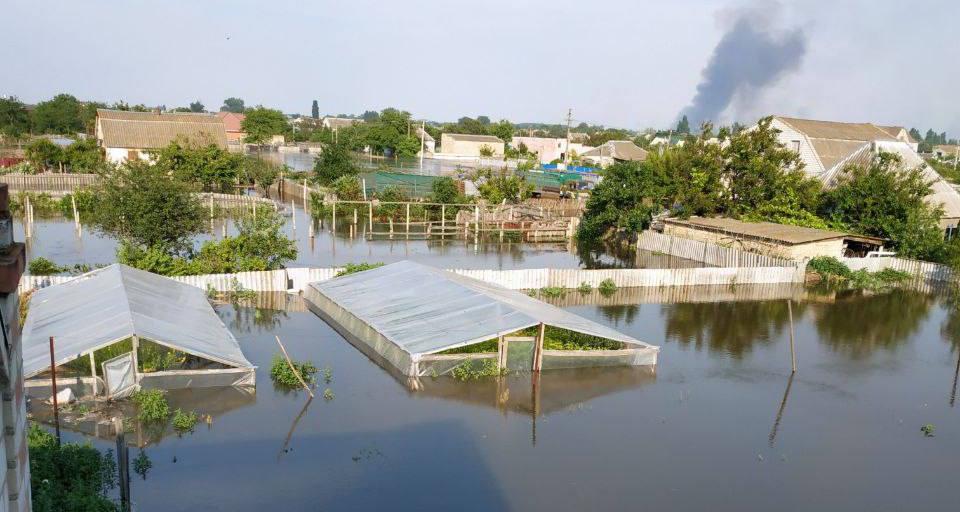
827,147
615,151
233,125
126,135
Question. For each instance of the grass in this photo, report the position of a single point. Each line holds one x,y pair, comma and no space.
282,374
353,268
152,406
831,269
184,422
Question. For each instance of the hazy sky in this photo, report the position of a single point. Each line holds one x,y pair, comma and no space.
633,64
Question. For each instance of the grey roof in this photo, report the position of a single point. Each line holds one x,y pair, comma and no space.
152,130
618,150
866,132
108,305
425,310
780,233
469,137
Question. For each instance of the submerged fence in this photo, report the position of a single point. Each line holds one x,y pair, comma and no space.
48,182
711,254
923,270
296,279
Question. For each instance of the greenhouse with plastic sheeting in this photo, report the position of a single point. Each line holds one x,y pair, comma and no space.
421,321
118,329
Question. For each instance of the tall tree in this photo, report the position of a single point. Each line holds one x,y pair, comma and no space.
196,106
370,116
334,162
58,115
261,124
14,119
684,125
484,120
315,110
232,104
503,130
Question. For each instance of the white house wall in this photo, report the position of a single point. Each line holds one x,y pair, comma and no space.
793,139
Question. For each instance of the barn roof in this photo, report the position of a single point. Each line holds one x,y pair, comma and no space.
152,130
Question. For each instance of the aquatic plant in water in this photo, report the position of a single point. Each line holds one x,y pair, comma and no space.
928,430
184,421
282,374
142,464
353,268
151,405
328,394
607,287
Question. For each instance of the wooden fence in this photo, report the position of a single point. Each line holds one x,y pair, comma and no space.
711,254
48,182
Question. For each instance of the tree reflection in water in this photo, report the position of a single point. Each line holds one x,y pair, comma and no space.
727,327
620,313
246,317
858,325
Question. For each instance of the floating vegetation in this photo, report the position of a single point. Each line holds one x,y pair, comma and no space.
282,374
584,288
353,268
328,394
928,430
152,406
184,422
607,287
327,374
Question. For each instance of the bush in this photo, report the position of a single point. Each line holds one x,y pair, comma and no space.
184,421
607,287
584,288
282,374
353,268
41,266
334,162
71,477
828,267
552,292
151,405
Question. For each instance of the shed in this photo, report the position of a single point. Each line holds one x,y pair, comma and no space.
406,313
126,135
466,144
778,240
111,305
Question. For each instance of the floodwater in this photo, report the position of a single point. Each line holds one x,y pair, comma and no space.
720,424
56,239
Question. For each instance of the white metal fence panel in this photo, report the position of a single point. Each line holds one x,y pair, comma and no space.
921,269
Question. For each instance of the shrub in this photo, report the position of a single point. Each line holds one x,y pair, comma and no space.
41,266
828,266
282,374
184,421
473,369
607,287
328,394
584,288
552,292
152,405
353,268
69,477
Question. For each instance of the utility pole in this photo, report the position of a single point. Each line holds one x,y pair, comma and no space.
566,151
423,130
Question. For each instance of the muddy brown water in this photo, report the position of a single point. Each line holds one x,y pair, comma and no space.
720,424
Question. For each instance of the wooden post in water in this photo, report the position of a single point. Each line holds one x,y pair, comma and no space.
333,224
408,220
136,358
93,372
53,386
443,219
538,350
370,204
793,351
354,216
293,215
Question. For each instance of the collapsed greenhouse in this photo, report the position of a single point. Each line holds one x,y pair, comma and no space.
142,329
423,321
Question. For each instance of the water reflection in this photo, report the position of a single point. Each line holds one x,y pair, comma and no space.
857,325
730,328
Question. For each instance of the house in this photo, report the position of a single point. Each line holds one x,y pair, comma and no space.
335,123
900,133
549,149
615,151
233,125
827,147
949,151
767,238
126,135
462,144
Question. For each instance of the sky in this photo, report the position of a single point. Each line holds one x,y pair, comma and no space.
630,64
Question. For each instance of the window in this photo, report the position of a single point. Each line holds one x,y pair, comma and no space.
133,155
795,145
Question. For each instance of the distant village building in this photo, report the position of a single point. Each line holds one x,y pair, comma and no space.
462,144
233,125
429,143
614,151
827,147
335,123
126,135
549,149
946,151
767,238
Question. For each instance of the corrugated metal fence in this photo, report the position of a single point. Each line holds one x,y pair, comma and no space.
711,254
922,269
296,279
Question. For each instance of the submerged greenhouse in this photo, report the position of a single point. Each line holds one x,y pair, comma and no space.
118,329
424,321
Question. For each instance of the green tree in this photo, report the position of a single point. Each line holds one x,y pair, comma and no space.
140,203
58,115
234,105
370,116
203,163
196,106
348,188
683,126
84,156
408,146
259,245
484,120
14,119
502,130
44,154
886,200
315,110
501,186
260,172
444,190
70,477
334,162
261,124
626,199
